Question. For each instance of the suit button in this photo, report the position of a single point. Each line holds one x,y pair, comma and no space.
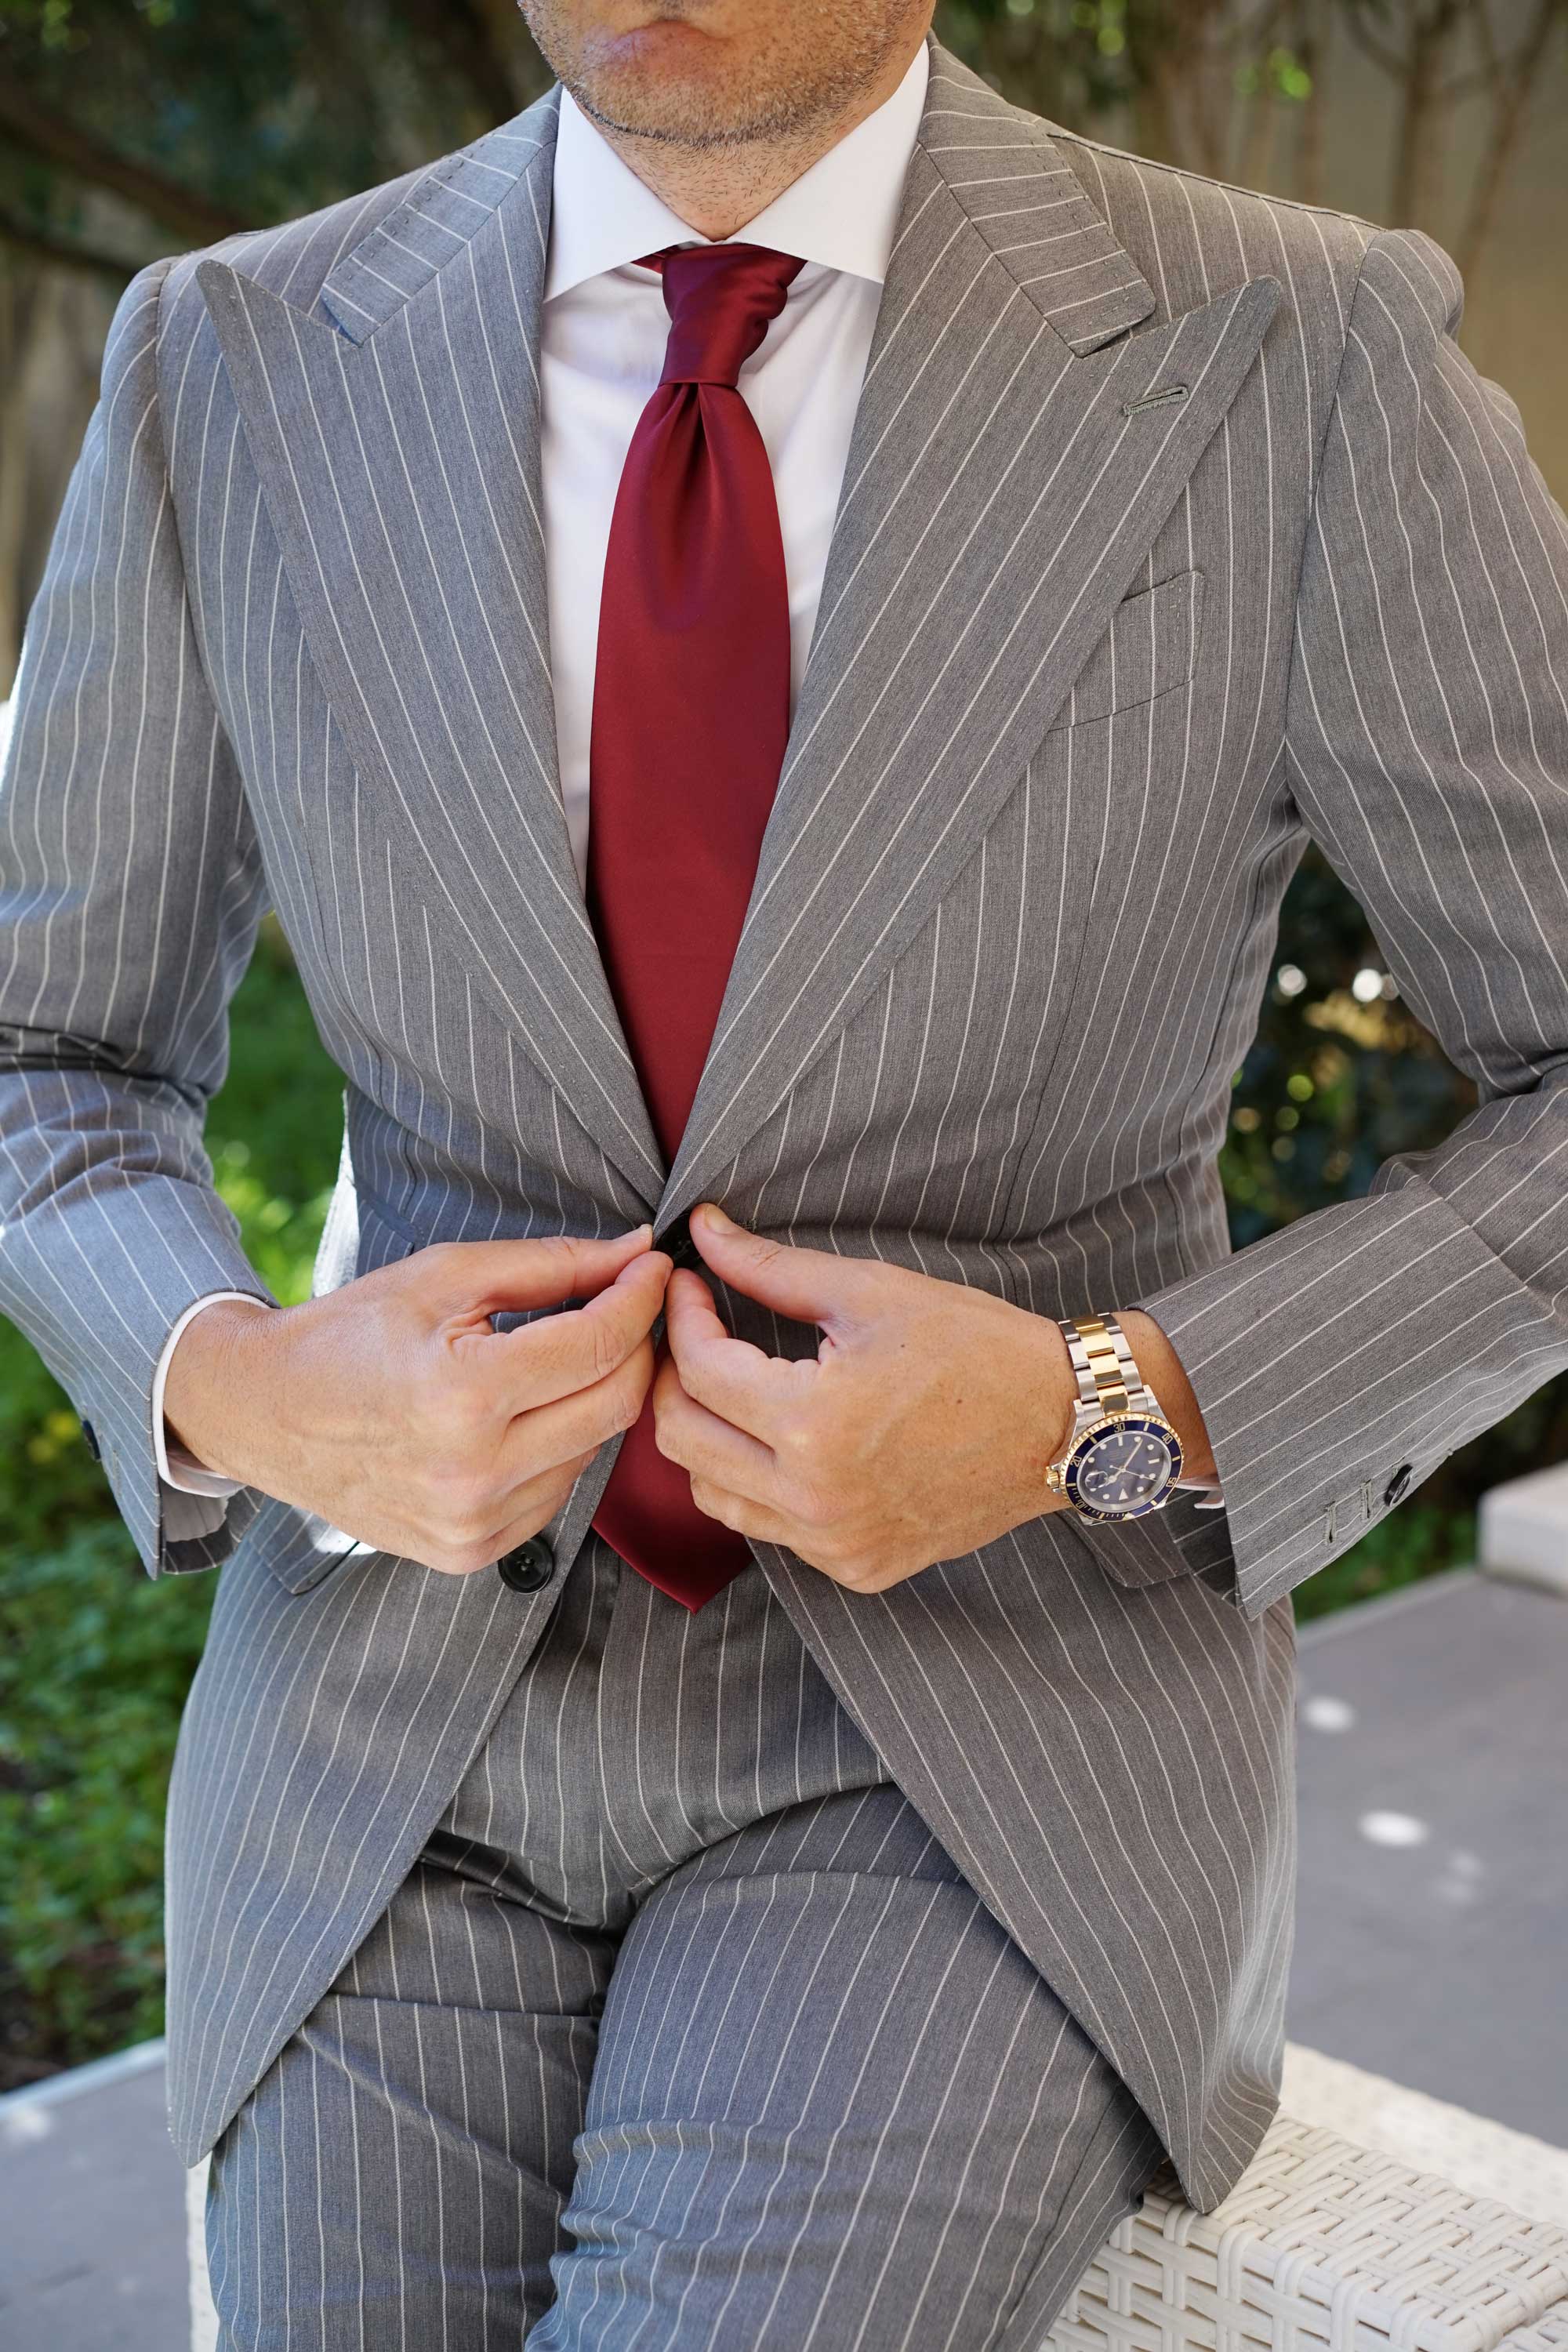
90,1434
529,1567
1396,1485
676,1240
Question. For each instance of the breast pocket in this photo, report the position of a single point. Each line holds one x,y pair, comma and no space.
1150,645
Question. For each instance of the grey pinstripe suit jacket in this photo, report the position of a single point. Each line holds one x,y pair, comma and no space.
1090,666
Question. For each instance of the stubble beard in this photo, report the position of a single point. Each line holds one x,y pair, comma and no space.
783,93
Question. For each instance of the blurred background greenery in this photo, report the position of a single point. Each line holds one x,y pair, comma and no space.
129,128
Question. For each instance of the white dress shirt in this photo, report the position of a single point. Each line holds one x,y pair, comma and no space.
603,331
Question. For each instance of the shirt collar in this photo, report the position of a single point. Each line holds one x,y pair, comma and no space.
842,212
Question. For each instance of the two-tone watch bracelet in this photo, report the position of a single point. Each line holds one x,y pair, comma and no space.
1107,1370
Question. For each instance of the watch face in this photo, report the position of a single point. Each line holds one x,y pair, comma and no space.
1118,1472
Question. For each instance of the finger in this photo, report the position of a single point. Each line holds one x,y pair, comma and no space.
810,1286
535,1501
529,1506
708,1446
744,1516
730,1377
488,1277
550,1433
535,1364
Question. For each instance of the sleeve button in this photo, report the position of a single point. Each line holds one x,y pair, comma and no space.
1396,1485
530,1567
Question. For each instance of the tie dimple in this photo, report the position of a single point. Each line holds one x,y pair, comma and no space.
721,298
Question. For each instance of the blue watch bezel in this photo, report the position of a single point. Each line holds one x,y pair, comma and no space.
1157,1425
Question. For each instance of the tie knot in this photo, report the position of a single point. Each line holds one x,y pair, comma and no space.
721,298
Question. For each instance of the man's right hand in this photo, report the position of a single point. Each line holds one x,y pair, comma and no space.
392,1409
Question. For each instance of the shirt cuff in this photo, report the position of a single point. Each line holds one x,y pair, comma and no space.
1209,1486
177,1467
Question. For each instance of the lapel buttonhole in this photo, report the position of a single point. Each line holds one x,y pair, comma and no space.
1155,399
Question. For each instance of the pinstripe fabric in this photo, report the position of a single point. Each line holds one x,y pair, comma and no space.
1089,669
680,1984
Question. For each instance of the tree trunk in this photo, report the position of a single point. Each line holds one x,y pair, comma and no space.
53,326
22,283
1508,111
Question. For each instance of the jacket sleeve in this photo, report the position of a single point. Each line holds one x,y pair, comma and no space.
131,889
1338,1361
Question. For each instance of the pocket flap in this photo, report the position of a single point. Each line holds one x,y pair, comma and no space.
1138,1551
298,1547
1152,644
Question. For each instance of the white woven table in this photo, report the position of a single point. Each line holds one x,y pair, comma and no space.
1324,2245
1490,2159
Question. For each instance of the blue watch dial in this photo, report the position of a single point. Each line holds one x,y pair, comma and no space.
1124,1470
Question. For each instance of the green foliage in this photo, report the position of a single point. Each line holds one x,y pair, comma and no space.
1071,59
1334,1082
95,1661
264,110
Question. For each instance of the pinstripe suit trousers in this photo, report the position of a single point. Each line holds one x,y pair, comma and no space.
683,2030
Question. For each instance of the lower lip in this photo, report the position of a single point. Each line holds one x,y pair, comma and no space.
662,28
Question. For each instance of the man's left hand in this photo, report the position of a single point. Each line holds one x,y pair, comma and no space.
923,1429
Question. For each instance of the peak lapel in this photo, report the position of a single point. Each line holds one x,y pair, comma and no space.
397,438
998,499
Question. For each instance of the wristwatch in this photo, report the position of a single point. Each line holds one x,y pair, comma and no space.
1123,1456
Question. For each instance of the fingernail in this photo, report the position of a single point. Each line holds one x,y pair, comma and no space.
714,1215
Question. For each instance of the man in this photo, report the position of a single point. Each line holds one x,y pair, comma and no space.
804,1894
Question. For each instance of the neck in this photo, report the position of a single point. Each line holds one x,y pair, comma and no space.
716,190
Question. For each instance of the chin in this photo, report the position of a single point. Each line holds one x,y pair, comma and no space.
667,81
660,80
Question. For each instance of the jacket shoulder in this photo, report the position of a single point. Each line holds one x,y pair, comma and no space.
1192,235
293,259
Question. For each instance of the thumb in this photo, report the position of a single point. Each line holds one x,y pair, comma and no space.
810,1286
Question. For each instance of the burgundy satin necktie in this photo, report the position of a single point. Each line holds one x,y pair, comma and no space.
691,718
